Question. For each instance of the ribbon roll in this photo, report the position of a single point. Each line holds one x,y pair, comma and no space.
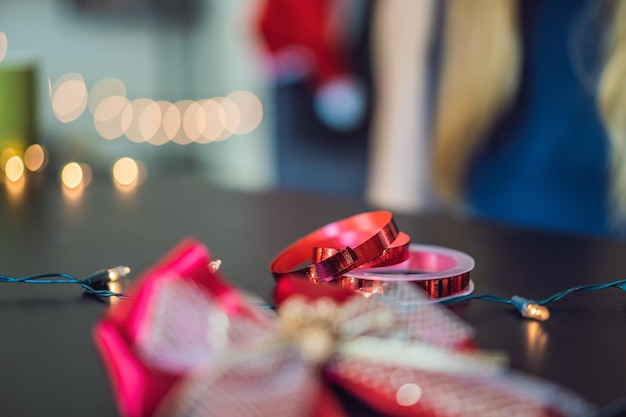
440,272
367,253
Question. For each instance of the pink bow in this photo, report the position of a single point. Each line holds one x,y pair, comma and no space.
185,343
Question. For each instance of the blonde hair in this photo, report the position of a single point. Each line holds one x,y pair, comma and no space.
612,102
480,72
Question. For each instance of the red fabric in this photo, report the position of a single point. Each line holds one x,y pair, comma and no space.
138,388
306,24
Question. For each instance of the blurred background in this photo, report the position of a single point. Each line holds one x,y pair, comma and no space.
189,86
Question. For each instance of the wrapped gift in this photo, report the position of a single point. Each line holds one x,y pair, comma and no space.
186,343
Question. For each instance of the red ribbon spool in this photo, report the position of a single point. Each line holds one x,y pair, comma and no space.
367,252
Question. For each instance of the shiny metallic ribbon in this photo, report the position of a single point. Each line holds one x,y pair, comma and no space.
186,343
368,253
364,240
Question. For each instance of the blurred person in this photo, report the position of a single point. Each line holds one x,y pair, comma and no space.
318,59
527,120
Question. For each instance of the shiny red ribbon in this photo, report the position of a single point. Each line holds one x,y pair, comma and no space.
368,242
364,240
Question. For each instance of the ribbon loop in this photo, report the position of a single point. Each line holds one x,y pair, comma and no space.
367,239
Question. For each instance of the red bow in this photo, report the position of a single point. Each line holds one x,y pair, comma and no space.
185,343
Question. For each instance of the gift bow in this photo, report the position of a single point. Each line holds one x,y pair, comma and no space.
188,344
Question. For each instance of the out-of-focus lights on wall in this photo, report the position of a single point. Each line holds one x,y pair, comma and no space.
72,175
155,122
35,158
250,110
5,155
14,168
125,172
69,97
107,87
113,116
13,165
3,45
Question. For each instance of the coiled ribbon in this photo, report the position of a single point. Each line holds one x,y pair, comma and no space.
367,253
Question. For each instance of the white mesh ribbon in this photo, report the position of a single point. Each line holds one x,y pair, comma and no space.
419,318
264,382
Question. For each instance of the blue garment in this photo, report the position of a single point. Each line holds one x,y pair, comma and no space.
546,164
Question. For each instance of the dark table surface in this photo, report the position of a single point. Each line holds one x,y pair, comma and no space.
48,362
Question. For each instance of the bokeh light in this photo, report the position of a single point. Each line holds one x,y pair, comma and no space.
103,89
229,116
69,97
14,168
214,124
72,175
155,122
125,172
194,121
150,120
5,155
3,45
113,116
35,158
250,110
408,395
134,131
181,136
169,123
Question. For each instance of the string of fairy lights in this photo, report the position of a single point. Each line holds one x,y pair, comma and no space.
140,120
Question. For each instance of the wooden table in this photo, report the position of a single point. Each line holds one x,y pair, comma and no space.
48,362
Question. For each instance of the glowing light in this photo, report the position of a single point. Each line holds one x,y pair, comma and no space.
408,395
15,189
535,311
113,116
125,171
169,123
150,120
194,121
134,131
230,117
104,88
72,175
3,45
14,168
69,97
35,158
118,272
181,136
5,155
250,110
214,124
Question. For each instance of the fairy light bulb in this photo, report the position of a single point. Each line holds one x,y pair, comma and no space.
118,272
530,309
536,312
214,265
